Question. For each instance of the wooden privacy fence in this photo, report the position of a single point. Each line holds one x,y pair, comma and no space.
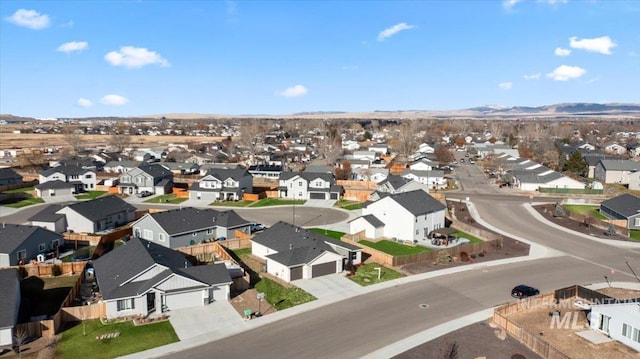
92,311
619,225
94,240
46,269
236,243
217,248
531,340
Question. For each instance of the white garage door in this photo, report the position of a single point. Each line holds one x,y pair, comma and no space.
184,300
220,293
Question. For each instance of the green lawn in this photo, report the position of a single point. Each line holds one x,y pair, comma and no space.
368,274
393,248
132,339
90,195
333,234
585,210
166,198
348,205
635,235
242,252
280,297
232,203
276,202
21,190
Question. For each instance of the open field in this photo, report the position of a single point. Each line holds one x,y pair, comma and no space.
38,140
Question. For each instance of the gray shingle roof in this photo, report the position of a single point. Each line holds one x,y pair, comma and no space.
189,219
48,214
155,171
10,283
417,202
627,205
68,170
99,208
13,235
373,220
223,173
9,173
620,165
57,184
395,181
126,262
298,256
283,237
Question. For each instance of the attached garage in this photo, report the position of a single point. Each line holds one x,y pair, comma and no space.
316,195
183,300
296,273
323,269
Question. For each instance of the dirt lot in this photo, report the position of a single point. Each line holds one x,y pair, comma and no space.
475,341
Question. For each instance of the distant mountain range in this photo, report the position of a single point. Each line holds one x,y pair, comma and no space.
562,110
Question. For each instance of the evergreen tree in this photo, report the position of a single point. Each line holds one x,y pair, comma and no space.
576,164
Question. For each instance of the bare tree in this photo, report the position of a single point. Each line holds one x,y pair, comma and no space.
404,140
120,139
73,138
251,136
496,128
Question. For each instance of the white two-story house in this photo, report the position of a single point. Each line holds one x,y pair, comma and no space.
82,179
222,184
153,178
309,185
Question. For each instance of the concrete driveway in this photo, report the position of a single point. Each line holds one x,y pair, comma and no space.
217,319
333,286
319,203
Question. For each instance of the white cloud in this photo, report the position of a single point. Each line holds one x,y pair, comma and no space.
553,2
83,102
115,100
562,52
532,76
135,57
390,31
294,91
509,4
602,44
67,24
566,73
505,85
73,46
29,18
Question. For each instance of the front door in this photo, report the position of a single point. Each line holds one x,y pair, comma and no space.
151,302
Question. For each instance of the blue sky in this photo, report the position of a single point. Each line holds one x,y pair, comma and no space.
128,58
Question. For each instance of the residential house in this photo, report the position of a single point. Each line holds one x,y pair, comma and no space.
120,166
152,178
614,149
423,164
615,171
181,168
56,191
625,207
9,305
309,185
97,215
265,171
9,177
532,181
433,179
634,181
20,244
187,226
408,216
369,156
81,178
293,253
634,150
370,224
397,184
222,185
142,277
425,148
381,148
619,321
369,174
49,218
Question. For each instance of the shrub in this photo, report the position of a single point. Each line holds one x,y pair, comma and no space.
464,256
56,270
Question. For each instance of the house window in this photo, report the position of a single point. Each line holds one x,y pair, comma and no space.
22,254
161,237
626,330
637,222
126,304
87,176
636,335
55,244
210,231
147,234
42,247
299,183
136,233
194,234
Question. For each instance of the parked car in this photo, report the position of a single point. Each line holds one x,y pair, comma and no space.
257,227
143,194
523,291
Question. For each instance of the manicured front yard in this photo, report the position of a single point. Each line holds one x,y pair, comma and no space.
132,339
232,203
348,205
276,202
368,274
585,210
90,195
393,248
333,234
166,198
635,235
280,297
